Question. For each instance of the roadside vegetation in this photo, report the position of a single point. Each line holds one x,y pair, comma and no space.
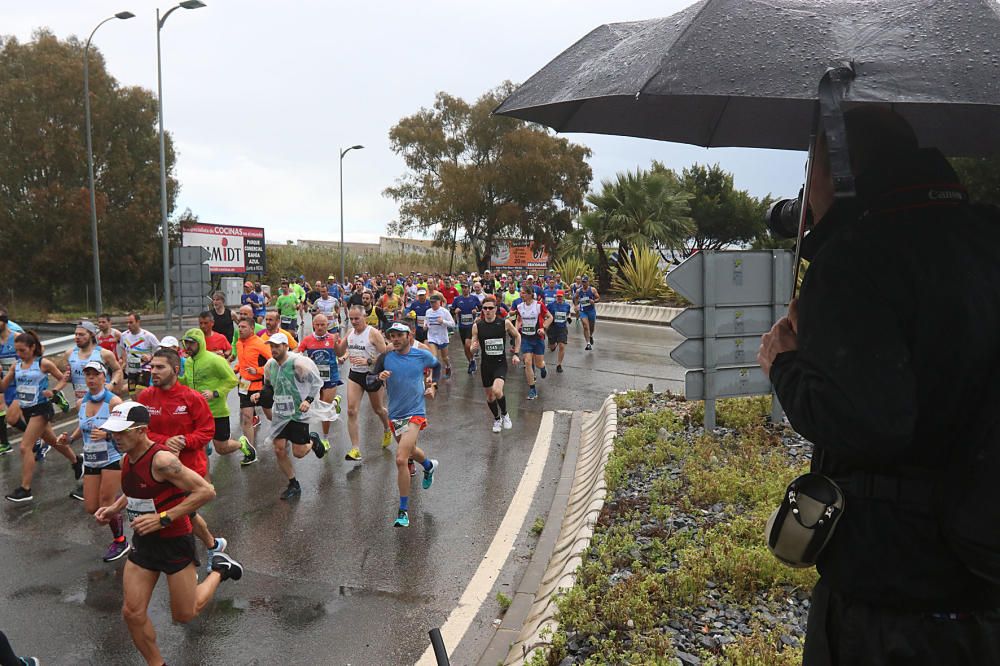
677,568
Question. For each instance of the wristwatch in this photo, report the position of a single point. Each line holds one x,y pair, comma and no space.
164,519
310,399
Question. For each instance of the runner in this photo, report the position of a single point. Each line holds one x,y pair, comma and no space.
182,421
477,290
253,298
246,312
392,303
373,313
585,298
212,377
321,348
271,328
491,332
9,411
402,370
438,322
252,353
287,305
532,319
33,399
107,336
136,350
465,309
215,342
419,308
87,350
223,319
295,382
363,345
329,306
549,292
510,295
160,493
559,329
102,475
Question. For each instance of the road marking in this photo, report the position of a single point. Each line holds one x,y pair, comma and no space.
479,587
56,428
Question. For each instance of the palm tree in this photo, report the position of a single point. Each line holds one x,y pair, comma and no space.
592,230
649,209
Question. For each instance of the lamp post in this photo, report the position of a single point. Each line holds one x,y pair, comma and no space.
187,4
342,153
90,158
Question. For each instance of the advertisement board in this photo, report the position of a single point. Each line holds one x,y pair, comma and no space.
519,255
232,250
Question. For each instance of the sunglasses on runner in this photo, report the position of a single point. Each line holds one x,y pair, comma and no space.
489,307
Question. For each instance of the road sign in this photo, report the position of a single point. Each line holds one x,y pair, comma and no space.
725,351
191,280
183,273
729,383
741,278
750,320
190,256
230,250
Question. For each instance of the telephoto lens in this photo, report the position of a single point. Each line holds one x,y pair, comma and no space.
783,217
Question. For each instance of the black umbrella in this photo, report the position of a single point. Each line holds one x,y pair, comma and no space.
745,72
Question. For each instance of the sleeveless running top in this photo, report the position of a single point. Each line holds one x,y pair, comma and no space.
76,369
360,350
147,495
108,342
493,340
31,381
102,452
372,317
529,315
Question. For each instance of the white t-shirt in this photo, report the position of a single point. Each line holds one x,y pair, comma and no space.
135,346
438,322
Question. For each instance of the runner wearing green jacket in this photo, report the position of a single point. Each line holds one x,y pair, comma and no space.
211,375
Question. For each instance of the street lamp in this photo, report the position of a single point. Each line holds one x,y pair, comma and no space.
187,4
342,153
90,157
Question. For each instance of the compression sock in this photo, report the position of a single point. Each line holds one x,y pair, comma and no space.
427,464
3,433
404,503
493,408
117,526
21,425
502,402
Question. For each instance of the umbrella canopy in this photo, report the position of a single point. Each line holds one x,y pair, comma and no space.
745,72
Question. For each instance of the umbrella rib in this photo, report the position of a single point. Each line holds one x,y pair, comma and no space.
718,120
676,41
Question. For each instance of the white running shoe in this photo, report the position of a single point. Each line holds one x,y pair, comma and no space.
507,425
497,425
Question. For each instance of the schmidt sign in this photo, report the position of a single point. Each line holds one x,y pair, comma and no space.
231,250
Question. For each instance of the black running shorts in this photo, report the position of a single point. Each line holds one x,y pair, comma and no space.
43,409
222,431
465,333
167,555
557,335
361,379
245,402
296,432
96,471
491,372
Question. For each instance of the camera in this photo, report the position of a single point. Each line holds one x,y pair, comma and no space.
783,217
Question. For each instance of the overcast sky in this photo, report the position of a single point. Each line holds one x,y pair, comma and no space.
259,95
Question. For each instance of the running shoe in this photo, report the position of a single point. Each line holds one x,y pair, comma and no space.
354,454
497,425
5,448
336,402
532,393
429,475
591,339
589,346
220,547
249,452
293,490
77,468
412,467
77,493
402,519
29,661
59,399
558,368
20,495
507,425
227,567
318,448
208,449
545,372
117,550
386,439
256,421
41,450
472,366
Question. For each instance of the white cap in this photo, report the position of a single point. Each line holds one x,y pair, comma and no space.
96,365
278,339
126,415
421,291
171,342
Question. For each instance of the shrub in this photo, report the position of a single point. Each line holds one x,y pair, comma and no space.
316,262
640,277
572,265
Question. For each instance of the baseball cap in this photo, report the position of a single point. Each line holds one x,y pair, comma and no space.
171,342
126,415
330,277
89,325
586,279
96,365
560,292
400,327
421,291
278,339
248,283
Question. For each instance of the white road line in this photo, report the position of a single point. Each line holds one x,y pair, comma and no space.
57,428
479,587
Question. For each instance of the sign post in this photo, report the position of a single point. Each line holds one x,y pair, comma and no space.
737,297
191,281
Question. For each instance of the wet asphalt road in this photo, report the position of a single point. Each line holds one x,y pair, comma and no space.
328,579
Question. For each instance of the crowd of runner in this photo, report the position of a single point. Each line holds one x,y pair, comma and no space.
150,411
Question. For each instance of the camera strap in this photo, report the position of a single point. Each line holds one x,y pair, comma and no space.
832,89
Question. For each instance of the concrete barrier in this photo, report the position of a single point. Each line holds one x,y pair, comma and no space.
642,314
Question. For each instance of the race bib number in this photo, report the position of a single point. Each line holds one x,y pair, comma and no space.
134,364
584,301
6,364
79,389
399,426
244,386
283,405
494,347
27,394
465,319
324,372
359,362
286,321
529,329
137,507
95,454
420,320
549,300
559,317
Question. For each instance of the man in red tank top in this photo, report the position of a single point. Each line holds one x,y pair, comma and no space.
158,495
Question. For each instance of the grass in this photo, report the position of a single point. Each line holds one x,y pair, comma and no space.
504,602
623,615
538,526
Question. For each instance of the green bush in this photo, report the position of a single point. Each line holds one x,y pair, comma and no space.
640,277
318,262
572,265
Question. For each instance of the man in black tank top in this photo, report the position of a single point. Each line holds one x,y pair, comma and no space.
223,318
490,333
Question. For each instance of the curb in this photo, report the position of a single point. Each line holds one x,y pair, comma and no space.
580,495
643,314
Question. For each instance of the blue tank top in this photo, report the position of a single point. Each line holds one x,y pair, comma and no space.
586,297
76,369
30,384
102,452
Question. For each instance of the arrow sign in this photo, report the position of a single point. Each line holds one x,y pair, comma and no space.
190,255
729,383
741,278
726,351
199,290
751,320
186,273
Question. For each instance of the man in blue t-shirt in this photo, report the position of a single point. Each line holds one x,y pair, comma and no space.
464,308
549,293
402,369
419,308
559,329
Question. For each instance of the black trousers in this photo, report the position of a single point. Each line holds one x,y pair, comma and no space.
846,632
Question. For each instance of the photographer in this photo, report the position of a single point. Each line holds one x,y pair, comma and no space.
882,363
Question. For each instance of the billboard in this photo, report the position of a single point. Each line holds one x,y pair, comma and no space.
232,250
519,255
